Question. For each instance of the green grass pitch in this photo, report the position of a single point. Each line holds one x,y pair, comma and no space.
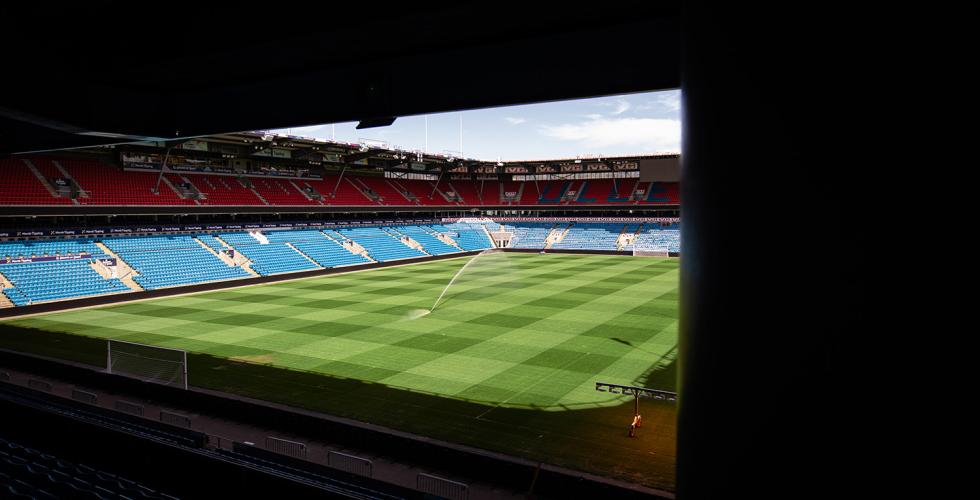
507,361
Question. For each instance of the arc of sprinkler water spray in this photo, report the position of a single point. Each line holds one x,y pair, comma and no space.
457,275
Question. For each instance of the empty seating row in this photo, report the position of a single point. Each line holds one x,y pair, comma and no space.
165,261
591,237
54,280
529,234
19,186
316,245
49,248
467,235
105,184
268,257
380,245
29,473
432,244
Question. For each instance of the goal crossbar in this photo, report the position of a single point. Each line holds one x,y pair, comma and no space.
150,365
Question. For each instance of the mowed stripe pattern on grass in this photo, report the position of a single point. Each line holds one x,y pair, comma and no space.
507,362
515,330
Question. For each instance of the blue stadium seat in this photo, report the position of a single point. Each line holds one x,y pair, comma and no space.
380,245
165,261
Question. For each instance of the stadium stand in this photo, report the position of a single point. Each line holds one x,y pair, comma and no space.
54,279
20,186
211,242
380,245
44,281
346,192
553,191
530,192
109,185
29,473
467,235
667,236
431,244
315,245
268,258
468,191
280,192
104,184
164,261
223,190
423,191
388,193
529,234
660,193
588,236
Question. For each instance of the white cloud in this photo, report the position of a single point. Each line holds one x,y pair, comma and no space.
671,101
621,107
515,121
650,134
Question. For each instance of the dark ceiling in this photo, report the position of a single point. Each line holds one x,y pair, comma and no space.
188,69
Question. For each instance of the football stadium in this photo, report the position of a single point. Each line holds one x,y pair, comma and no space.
488,332
329,254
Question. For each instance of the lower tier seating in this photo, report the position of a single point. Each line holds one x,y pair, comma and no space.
36,271
380,245
590,237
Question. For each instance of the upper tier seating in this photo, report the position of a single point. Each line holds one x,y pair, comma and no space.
105,184
388,193
346,193
280,192
110,185
469,192
660,193
223,190
613,190
553,191
530,195
19,186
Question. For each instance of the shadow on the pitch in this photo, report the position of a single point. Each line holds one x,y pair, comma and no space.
589,437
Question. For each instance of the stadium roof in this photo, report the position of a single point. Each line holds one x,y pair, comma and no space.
98,73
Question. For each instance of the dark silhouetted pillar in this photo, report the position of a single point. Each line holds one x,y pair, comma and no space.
770,268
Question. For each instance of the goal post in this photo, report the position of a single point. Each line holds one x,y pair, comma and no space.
160,365
650,251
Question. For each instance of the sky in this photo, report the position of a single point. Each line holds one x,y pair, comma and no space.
604,126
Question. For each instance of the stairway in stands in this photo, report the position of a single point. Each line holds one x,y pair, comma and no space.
123,270
557,234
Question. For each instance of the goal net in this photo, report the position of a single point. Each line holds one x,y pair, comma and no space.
159,365
650,251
